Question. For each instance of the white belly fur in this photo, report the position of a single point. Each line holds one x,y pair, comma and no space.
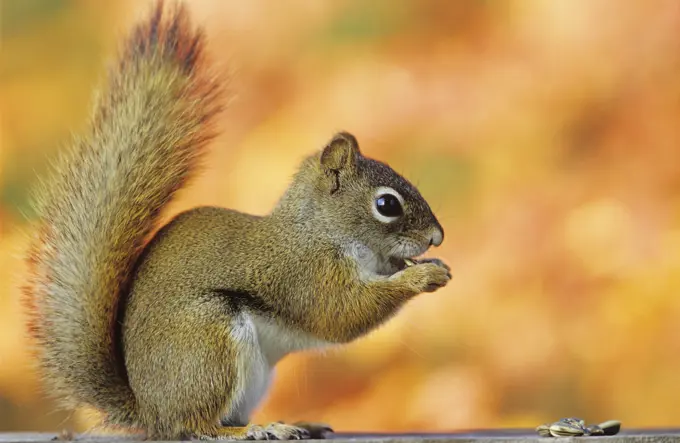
261,344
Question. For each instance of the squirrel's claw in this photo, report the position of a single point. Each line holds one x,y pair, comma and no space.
317,431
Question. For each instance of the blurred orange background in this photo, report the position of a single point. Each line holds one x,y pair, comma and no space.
544,134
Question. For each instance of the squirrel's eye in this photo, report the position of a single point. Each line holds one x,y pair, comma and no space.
389,206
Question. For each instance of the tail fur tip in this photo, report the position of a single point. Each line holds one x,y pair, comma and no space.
167,30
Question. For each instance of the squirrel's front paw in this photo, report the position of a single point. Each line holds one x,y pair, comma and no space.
436,261
427,275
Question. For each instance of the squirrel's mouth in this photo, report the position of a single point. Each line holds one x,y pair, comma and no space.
399,264
405,255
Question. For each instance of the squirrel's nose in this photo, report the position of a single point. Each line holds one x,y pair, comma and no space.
437,236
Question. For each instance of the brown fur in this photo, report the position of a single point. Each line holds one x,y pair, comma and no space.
150,125
160,336
212,264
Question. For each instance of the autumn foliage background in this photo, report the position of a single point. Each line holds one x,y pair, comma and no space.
544,133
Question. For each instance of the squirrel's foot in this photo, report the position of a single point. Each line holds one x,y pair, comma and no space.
282,431
317,431
272,431
250,432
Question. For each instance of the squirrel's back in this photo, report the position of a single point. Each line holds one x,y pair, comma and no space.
150,124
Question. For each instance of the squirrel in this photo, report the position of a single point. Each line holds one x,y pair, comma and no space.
174,330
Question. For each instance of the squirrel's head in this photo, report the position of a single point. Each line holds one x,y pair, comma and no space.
367,201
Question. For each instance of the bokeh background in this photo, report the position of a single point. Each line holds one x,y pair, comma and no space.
545,134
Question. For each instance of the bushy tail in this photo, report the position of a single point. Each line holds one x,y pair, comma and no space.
150,125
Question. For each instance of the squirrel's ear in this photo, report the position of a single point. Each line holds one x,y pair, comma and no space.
340,153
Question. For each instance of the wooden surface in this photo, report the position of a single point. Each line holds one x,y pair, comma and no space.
494,436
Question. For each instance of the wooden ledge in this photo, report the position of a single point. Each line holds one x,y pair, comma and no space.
481,436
